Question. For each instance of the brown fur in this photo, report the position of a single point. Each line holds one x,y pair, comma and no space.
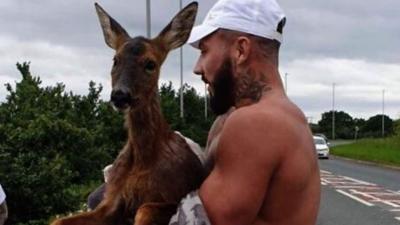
156,168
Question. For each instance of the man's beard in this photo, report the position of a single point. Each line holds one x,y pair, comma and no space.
224,89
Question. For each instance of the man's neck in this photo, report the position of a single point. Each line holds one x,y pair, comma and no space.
254,82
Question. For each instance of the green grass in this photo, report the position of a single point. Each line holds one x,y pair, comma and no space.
383,151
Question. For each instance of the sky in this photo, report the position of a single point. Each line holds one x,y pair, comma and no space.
354,44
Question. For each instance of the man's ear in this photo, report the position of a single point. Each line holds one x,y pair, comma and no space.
242,49
177,32
114,34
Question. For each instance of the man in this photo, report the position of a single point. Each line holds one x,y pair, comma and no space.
261,156
3,207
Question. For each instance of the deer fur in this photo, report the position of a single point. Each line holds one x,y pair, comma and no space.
156,168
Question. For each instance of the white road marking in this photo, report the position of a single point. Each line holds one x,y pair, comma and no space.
359,181
375,199
366,193
383,193
324,171
355,187
355,198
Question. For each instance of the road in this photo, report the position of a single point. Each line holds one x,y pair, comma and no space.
358,194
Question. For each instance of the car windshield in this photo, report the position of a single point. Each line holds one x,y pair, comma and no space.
318,141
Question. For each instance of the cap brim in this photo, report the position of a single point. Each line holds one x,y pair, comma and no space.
199,32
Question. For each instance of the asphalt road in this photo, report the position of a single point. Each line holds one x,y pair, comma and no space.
358,194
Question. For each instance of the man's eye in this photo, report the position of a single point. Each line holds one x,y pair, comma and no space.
150,66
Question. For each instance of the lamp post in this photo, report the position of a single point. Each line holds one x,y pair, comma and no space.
181,68
148,18
286,87
333,111
383,113
205,102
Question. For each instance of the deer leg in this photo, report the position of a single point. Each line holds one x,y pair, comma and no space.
86,218
155,213
104,214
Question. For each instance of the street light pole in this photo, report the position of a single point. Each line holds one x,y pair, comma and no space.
333,111
148,18
205,101
181,67
383,113
286,87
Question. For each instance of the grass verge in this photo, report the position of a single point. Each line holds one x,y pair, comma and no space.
383,151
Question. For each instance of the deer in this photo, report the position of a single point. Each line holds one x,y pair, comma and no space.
156,168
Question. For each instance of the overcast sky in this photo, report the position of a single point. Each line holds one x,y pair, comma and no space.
354,44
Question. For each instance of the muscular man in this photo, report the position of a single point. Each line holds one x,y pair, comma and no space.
262,161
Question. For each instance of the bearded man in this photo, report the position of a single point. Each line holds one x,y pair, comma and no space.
261,155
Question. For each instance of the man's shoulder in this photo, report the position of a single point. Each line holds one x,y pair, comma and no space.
266,116
253,128
268,126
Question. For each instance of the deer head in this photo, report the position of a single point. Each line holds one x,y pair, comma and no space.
137,60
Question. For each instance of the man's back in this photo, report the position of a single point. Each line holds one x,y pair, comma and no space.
294,192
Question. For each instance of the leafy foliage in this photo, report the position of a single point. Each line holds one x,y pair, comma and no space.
53,144
50,141
346,126
373,126
397,127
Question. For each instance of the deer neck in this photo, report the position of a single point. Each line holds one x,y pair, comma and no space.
147,130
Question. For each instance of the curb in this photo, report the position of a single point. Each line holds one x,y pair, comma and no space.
367,162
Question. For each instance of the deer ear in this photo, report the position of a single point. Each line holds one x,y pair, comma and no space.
114,34
177,32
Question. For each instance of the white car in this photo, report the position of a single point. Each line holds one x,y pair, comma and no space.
322,147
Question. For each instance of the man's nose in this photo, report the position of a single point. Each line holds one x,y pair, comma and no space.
197,69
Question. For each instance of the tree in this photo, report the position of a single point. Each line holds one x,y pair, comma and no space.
373,126
194,125
50,142
344,125
397,127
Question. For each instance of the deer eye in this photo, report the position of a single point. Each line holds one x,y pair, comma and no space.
150,66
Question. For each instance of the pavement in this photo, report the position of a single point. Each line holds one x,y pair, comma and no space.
358,194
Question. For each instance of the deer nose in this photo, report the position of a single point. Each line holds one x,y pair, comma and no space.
120,99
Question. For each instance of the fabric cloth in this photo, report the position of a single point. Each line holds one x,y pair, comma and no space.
96,197
195,148
2,195
190,212
256,17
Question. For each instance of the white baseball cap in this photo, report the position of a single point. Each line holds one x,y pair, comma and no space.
256,17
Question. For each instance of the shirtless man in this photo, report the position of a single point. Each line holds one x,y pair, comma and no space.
262,161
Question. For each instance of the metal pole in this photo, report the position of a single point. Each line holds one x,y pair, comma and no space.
286,87
181,58
383,113
205,101
148,18
333,111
